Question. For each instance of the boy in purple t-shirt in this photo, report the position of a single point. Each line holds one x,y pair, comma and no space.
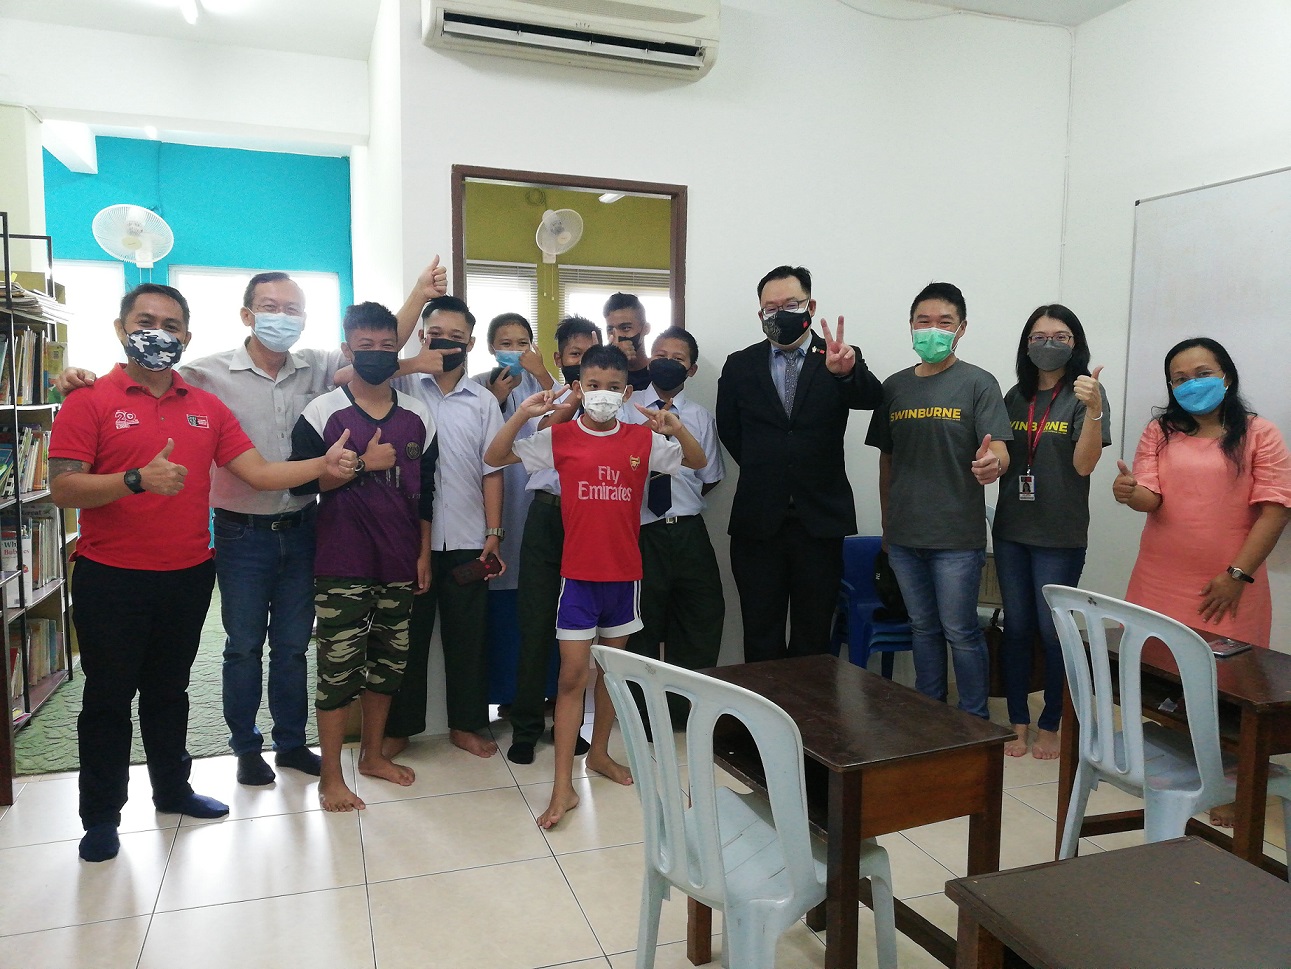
373,550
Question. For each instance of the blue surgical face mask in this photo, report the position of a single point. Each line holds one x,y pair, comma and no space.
278,331
509,359
1201,395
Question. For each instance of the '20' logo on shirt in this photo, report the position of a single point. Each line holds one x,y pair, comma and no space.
126,418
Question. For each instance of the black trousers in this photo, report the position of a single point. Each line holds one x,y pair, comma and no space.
138,632
786,575
537,597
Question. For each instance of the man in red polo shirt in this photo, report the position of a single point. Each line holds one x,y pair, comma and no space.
134,453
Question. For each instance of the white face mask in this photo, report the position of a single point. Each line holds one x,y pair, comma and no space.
602,405
278,331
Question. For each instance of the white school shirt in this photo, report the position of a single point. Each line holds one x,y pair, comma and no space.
687,484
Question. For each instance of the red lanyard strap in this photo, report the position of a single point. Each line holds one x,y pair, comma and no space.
1033,430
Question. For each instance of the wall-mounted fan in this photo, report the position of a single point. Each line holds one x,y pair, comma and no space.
558,232
133,234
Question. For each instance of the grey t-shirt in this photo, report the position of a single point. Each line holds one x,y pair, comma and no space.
932,427
1059,516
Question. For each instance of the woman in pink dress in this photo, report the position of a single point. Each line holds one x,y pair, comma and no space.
1215,482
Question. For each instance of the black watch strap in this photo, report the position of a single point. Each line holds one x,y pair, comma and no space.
134,481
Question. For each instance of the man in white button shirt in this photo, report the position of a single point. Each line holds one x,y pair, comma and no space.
681,592
466,528
264,540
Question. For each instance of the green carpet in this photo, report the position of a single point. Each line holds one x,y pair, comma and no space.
48,742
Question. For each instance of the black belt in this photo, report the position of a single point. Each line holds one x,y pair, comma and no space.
671,520
546,498
275,523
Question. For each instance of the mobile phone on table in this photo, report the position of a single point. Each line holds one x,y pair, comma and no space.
477,569
1226,646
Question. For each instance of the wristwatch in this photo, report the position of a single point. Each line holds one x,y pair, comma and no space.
134,481
498,533
360,466
1235,573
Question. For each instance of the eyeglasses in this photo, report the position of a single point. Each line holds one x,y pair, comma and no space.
793,306
1182,378
1038,338
291,309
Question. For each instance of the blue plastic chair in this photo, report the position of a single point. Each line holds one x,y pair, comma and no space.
858,599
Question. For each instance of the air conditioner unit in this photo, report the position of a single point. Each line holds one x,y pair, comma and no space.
677,38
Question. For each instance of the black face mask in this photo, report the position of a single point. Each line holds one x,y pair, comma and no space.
786,328
376,366
667,374
571,372
451,360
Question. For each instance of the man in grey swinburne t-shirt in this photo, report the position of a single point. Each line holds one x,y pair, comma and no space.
264,541
942,430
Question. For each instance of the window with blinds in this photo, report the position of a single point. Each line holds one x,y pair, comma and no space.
493,288
584,290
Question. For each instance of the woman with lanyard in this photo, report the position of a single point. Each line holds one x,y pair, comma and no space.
1042,516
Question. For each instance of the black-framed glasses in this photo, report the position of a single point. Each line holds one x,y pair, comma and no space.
1038,338
793,306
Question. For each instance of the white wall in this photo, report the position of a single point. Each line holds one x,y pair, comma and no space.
22,180
1168,95
103,77
879,154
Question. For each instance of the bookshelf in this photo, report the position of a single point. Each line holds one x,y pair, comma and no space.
35,605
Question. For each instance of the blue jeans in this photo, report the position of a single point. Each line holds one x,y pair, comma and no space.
266,586
939,587
1024,570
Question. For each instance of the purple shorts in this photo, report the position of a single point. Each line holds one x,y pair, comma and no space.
586,609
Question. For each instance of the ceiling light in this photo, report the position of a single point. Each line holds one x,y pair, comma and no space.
611,197
190,10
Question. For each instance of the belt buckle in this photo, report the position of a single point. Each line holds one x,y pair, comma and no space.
279,525
672,520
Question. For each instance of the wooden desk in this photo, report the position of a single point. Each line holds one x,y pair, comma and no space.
1174,903
880,757
1254,721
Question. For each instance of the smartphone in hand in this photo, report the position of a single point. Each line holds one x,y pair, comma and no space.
477,570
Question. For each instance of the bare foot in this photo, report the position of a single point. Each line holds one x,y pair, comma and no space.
473,743
336,796
606,765
1018,746
562,802
386,769
1046,745
1223,815
393,746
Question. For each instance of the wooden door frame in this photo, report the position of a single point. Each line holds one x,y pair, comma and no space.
677,230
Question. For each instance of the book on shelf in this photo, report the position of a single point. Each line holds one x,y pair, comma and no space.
55,362
17,678
44,644
13,540
46,549
6,469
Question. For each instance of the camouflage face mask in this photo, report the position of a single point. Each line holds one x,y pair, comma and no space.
154,350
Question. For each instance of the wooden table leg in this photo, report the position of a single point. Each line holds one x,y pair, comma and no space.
976,948
1068,752
984,828
844,862
1252,786
699,933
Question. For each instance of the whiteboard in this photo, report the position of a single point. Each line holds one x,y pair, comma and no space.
1213,261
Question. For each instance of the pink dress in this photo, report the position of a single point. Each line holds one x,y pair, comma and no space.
1205,515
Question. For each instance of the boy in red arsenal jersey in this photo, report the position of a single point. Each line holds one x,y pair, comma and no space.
603,465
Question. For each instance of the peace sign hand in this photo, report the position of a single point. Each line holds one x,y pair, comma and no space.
839,357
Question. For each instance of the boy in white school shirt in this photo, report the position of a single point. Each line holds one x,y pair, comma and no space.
682,605
466,527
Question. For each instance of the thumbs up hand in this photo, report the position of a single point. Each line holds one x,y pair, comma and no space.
160,476
341,461
1125,483
378,456
987,466
1087,392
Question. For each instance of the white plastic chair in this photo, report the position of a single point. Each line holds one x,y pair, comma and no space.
752,858
1177,774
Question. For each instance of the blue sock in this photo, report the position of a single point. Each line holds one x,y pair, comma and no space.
100,842
196,806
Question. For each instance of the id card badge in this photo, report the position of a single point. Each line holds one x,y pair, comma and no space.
1026,487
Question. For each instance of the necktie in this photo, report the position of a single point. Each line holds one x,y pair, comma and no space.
659,493
791,364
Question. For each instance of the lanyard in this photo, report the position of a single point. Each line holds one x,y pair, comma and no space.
1033,442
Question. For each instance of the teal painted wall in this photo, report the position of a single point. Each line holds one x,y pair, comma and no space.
227,207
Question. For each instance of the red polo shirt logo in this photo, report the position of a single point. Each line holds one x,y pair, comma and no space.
126,419
198,420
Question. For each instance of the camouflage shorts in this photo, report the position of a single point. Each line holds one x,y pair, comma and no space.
362,638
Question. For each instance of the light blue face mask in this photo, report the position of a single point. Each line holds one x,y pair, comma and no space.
511,360
1200,395
278,331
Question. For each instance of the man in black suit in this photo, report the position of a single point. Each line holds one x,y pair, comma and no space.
782,409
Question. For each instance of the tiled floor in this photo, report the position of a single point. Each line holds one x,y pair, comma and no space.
451,872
